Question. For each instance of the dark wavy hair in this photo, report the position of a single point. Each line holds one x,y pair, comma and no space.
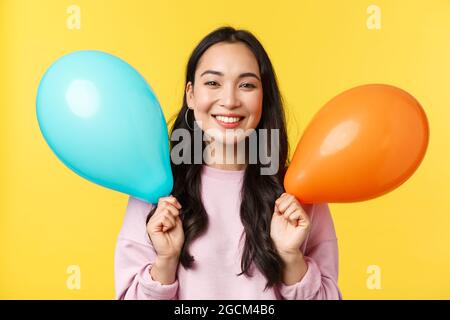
258,192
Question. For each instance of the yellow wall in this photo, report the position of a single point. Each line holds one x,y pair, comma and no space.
50,218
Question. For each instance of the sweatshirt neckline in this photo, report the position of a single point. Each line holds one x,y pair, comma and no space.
222,173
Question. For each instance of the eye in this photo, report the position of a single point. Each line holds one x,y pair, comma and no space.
211,83
248,85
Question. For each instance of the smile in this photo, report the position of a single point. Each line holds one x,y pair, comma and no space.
228,122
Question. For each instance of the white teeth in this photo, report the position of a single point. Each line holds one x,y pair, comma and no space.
227,119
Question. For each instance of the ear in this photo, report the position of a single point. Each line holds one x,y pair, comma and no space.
190,95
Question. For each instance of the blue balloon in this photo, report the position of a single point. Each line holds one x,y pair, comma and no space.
104,122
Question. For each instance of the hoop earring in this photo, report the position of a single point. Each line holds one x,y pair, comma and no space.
186,120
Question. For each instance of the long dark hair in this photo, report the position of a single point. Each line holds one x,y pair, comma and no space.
258,192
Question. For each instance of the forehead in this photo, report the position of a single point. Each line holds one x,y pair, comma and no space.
229,58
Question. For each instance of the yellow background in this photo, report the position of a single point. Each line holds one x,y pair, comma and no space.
51,218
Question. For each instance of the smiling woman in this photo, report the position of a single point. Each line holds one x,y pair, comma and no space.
228,231
226,92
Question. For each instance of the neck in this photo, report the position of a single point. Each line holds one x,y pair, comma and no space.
230,167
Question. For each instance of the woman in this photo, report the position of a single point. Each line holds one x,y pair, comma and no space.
228,230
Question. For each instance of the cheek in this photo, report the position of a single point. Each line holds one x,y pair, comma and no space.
254,108
202,105
203,101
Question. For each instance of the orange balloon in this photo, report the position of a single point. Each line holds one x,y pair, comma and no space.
362,144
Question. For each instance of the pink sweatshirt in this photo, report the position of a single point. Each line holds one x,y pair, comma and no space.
217,253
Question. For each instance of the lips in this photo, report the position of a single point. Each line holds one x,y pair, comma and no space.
235,115
228,121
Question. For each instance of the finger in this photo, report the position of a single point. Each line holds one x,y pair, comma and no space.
164,225
285,203
177,223
177,203
280,198
172,210
296,215
303,218
276,214
169,206
275,210
290,210
171,199
168,222
277,204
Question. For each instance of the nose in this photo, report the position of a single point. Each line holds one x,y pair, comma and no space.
230,98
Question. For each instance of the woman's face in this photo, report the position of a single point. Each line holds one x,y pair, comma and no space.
227,94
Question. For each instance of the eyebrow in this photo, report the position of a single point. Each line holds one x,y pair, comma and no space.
242,75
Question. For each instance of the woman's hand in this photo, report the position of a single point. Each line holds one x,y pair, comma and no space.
290,225
165,229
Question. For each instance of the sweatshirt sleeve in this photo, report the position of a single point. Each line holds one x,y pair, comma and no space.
134,257
320,281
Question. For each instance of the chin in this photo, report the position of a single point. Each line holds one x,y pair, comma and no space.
230,140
